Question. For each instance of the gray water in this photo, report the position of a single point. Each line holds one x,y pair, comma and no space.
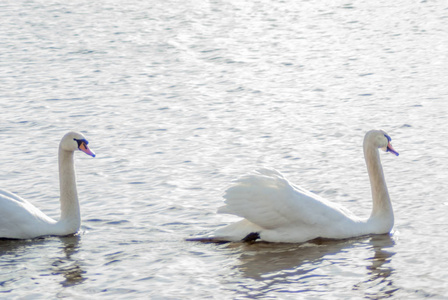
179,98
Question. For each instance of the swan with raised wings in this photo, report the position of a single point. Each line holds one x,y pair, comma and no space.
274,210
19,219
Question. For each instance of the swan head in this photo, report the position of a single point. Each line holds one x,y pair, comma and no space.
73,141
381,140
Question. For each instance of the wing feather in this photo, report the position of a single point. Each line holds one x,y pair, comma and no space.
268,200
19,217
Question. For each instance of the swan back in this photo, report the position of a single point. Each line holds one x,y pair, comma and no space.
282,212
20,219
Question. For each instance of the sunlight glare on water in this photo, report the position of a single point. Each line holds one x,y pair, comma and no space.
179,98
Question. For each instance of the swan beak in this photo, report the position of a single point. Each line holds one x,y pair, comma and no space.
391,149
84,148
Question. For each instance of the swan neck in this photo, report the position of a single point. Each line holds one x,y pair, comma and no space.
382,207
70,212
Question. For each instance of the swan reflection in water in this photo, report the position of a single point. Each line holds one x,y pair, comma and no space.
379,284
64,264
67,266
318,263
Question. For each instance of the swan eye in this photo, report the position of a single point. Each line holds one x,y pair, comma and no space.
388,137
81,141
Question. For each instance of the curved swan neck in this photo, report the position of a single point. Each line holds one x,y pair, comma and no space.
70,212
382,207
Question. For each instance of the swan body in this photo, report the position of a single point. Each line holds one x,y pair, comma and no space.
19,219
274,210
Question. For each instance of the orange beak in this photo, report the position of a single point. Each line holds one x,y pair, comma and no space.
84,148
391,149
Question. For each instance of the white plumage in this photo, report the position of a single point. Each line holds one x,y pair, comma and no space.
19,219
275,210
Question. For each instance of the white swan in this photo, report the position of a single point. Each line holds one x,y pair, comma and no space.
19,219
276,211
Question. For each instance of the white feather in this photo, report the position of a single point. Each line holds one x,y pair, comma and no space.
19,219
281,212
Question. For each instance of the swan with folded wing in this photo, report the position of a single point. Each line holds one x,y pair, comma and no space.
19,219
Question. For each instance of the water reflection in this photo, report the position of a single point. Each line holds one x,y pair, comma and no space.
67,266
380,284
264,260
9,246
275,265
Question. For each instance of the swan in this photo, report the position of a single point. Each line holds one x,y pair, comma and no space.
19,219
274,210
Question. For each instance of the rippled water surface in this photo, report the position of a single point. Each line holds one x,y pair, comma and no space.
178,98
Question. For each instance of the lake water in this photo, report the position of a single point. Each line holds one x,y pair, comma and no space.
179,98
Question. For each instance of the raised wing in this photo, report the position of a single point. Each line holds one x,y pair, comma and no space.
268,200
